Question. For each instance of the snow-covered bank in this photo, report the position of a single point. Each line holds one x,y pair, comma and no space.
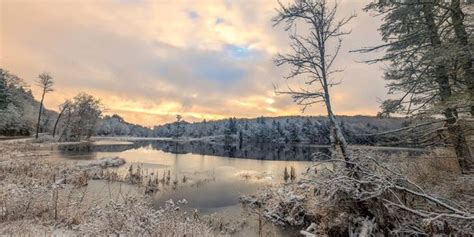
42,196
375,197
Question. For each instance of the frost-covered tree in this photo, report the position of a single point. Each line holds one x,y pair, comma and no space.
82,118
3,89
178,126
280,130
313,55
63,107
418,71
18,108
45,81
117,126
310,131
423,64
231,127
293,133
12,122
429,46
462,27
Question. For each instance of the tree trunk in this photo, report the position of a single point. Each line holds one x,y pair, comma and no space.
337,138
457,17
456,135
39,114
57,120
461,147
67,125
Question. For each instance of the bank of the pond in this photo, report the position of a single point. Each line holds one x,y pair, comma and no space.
204,179
51,197
51,194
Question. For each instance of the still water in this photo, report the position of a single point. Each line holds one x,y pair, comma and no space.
211,177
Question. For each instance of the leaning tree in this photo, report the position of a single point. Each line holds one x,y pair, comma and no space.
63,107
312,57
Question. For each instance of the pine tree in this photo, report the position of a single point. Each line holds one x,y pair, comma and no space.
3,89
421,69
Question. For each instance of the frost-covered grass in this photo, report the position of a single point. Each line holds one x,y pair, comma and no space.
40,196
417,196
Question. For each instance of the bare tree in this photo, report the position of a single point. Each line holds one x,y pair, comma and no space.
312,57
46,82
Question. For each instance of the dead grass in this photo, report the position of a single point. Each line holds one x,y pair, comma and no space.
38,196
339,204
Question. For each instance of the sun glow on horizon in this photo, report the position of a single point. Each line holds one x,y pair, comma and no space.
151,60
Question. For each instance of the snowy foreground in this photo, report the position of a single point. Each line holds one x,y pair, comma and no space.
380,196
375,196
42,196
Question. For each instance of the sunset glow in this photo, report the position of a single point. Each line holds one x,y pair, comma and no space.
151,60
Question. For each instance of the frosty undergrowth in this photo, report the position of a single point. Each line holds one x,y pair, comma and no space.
372,198
42,196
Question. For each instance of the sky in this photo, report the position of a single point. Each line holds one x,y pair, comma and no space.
150,60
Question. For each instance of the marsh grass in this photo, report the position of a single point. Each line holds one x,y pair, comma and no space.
49,197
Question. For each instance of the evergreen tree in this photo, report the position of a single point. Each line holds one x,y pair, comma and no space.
421,65
309,131
3,89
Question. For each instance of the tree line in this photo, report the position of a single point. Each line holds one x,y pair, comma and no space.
82,117
286,129
21,114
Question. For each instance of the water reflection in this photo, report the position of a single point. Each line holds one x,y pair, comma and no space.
261,151
210,176
216,174
256,151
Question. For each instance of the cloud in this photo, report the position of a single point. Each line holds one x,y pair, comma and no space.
149,60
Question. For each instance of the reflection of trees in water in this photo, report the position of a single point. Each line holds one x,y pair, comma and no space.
87,147
259,151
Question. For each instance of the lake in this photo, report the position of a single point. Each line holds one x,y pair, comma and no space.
215,175
211,177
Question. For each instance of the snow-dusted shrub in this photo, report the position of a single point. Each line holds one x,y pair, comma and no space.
394,203
284,206
369,198
107,162
43,197
135,216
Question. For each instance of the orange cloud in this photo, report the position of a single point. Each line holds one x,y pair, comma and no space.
151,60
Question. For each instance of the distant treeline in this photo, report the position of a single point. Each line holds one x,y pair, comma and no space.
82,117
116,126
288,129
